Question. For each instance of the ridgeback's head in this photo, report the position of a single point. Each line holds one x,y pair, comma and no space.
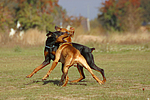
70,31
62,34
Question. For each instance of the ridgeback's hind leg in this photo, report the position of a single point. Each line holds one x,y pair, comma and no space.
82,61
82,76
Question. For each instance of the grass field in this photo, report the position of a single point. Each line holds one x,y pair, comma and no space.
127,73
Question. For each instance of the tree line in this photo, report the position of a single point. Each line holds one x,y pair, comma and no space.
124,15
30,13
41,14
115,15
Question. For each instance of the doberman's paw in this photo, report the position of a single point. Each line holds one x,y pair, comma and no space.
101,82
29,76
60,83
104,80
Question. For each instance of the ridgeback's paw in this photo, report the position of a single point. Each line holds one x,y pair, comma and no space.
44,78
74,81
63,85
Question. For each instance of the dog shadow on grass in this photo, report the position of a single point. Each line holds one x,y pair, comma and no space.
56,82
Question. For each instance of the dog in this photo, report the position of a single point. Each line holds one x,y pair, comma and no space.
68,55
51,47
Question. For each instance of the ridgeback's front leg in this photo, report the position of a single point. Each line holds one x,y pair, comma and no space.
65,76
50,70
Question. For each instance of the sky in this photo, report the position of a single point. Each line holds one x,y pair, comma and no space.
86,8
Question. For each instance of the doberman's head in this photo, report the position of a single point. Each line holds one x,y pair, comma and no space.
54,34
51,45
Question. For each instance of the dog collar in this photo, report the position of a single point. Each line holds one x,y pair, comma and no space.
49,46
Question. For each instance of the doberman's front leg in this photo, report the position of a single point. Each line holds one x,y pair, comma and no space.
46,62
38,68
50,70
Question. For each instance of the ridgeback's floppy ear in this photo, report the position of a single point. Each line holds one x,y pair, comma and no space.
71,28
57,28
49,33
72,31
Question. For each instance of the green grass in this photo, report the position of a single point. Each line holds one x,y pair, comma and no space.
127,73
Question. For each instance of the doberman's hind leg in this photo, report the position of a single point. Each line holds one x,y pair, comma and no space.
99,70
38,68
82,76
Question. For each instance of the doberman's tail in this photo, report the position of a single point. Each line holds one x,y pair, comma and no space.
92,49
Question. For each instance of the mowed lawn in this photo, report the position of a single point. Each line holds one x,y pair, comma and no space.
127,73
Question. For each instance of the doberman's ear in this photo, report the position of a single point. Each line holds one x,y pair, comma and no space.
57,28
49,33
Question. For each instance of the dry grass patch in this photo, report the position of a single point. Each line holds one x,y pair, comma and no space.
127,38
34,37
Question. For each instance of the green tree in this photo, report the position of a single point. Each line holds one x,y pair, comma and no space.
121,15
108,17
41,14
6,15
145,4
33,13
